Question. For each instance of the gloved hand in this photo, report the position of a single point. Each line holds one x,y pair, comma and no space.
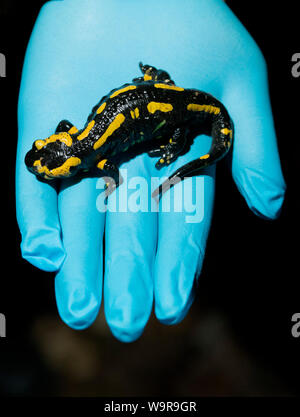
77,53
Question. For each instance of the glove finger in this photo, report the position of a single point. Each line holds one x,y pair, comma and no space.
130,246
36,204
184,221
78,284
255,164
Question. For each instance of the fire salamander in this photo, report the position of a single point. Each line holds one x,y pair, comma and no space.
151,115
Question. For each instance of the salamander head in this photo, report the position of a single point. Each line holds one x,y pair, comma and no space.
53,157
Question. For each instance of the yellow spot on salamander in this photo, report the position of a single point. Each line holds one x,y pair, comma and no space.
101,164
101,108
147,77
62,137
123,90
168,87
162,160
115,124
73,130
203,107
135,114
86,131
204,156
62,171
153,107
39,144
227,132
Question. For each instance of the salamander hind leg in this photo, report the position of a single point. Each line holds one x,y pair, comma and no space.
222,134
153,74
169,152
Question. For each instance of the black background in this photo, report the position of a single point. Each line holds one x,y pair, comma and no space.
254,283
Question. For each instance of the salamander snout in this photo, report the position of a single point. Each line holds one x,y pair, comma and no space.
52,157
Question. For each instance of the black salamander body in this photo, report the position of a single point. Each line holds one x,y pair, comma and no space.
150,115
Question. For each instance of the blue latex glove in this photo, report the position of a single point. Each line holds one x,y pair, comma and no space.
80,50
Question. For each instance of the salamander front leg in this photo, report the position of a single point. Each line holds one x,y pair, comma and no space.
66,126
111,175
